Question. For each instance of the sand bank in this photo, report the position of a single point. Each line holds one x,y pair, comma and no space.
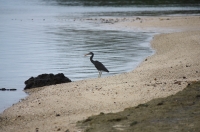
160,24
59,107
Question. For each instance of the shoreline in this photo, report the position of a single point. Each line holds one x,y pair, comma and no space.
166,72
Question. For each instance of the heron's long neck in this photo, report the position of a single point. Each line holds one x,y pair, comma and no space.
91,58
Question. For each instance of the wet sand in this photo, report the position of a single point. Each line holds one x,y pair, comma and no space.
174,64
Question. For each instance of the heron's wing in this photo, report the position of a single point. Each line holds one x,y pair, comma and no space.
100,66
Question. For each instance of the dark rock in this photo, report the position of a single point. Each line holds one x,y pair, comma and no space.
46,80
57,114
177,82
198,96
3,89
184,77
13,89
187,65
118,119
161,103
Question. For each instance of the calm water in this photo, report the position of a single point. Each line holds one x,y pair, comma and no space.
43,36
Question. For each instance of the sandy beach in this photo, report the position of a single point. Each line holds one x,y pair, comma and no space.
175,63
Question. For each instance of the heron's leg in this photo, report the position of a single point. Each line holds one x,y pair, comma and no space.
100,73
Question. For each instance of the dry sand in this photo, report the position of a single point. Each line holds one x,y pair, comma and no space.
59,107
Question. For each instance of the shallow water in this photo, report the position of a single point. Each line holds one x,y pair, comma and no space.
50,37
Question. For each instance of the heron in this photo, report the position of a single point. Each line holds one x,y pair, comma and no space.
100,67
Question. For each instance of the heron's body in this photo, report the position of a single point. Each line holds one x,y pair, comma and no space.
99,66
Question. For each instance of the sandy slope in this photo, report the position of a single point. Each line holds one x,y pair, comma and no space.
59,107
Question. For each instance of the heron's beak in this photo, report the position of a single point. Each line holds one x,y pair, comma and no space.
87,54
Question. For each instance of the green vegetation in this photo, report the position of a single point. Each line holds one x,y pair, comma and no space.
179,112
